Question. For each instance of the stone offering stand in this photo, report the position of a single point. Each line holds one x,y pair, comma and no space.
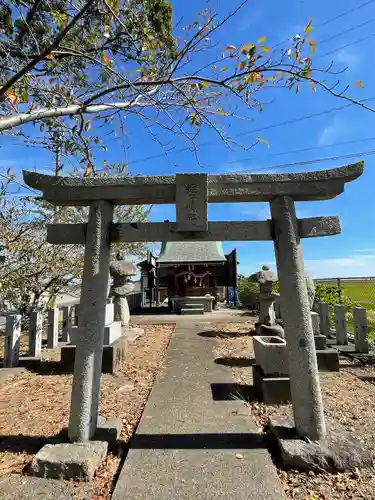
191,193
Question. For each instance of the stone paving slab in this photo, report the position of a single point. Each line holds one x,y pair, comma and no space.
189,445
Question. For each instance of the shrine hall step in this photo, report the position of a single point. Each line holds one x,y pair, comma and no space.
192,309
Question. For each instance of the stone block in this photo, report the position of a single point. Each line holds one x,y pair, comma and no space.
271,390
271,355
108,430
360,329
12,340
66,330
328,360
338,452
340,325
320,342
325,322
315,320
109,313
112,332
53,328
70,461
113,356
35,333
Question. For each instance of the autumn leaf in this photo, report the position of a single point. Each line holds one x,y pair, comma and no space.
312,86
241,65
224,68
359,84
49,57
12,97
213,68
308,27
260,139
231,47
265,49
245,48
262,39
261,80
297,89
105,59
312,45
235,84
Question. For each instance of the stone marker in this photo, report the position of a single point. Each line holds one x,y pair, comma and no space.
35,333
325,322
53,328
340,324
66,331
315,320
12,340
303,368
360,329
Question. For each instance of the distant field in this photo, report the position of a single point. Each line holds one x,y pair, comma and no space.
361,291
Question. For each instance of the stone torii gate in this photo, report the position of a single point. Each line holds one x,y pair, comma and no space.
191,193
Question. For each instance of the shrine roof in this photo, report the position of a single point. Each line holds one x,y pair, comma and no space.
191,252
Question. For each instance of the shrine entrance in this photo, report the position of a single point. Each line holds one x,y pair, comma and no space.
191,194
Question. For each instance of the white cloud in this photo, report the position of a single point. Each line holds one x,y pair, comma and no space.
342,267
348,58
332,133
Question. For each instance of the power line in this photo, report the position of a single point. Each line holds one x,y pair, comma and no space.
348,45
309,162
346,31
339,16
248,132
313,148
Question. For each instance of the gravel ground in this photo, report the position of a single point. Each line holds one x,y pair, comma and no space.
34,407
349,398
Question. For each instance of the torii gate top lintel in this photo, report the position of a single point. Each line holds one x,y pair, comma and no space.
305,186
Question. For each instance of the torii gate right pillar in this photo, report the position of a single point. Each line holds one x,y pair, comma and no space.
303,369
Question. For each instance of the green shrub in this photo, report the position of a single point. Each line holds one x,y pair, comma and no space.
248,292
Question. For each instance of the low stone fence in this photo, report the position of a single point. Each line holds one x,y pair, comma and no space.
338,328
57,323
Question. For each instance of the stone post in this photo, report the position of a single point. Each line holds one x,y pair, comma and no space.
66,330
303,369
35,333
53,328
315,320
325,322
340,324
12,340
360,329
90,334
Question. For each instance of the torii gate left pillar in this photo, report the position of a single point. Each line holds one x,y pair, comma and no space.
90,336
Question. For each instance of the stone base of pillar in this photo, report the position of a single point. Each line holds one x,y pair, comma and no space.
69,461
271,390
113,356
338,452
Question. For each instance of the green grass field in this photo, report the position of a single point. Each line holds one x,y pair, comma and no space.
362,292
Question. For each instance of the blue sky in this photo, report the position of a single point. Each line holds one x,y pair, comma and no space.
341,132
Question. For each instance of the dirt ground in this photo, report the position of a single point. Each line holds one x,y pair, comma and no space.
35,406
349,398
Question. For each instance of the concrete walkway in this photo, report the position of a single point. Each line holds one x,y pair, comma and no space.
190,446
